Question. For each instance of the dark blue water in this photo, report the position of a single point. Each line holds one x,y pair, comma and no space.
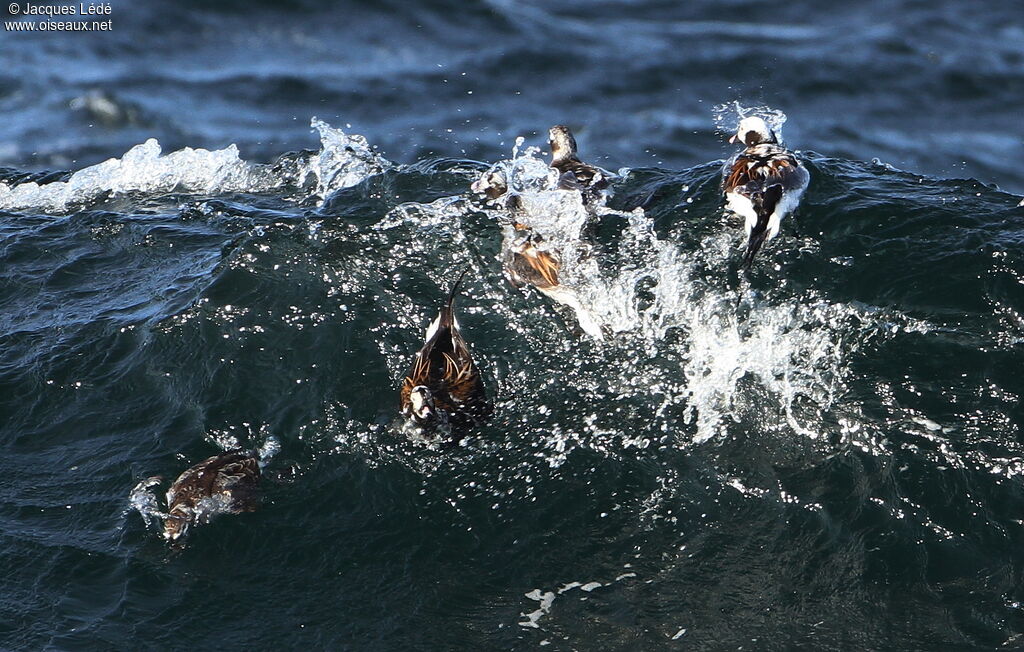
825,454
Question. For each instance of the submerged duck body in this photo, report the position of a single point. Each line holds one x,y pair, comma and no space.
763,183
444,388
530,260
224,483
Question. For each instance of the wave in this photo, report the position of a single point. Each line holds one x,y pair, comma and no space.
720,350
343,160
834,379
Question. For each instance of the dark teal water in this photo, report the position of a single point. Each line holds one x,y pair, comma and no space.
825,455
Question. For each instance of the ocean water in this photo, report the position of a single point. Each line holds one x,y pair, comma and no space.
228,224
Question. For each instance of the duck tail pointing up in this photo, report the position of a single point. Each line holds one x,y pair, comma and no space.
448,312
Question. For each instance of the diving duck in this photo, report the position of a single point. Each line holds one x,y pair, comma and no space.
444,389
491,184
224,483
763,183
529,260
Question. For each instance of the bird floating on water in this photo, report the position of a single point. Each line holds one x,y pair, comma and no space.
574,174
226,483
763,183
444,389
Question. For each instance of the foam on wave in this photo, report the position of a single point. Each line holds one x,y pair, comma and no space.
342,161
142,169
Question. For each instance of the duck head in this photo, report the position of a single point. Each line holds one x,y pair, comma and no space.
492,184
176,524
753,131
421,405
563,145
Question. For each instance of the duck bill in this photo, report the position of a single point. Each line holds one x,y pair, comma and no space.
733,138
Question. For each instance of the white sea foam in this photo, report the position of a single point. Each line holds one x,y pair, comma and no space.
145,501
545,598
142,169
343,160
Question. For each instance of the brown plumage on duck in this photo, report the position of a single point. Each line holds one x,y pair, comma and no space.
574,173
444,388
527,261
763,183
224,483
530,260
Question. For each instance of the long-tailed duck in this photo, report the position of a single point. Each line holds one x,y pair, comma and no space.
763,183
443,388
224,483
530,260
491,184
574,173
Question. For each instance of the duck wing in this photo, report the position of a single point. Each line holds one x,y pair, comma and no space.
577,175
527,263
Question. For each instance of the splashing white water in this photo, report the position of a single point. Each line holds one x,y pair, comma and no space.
794,351
727,117
142,169
143,500
524,172
343,161
558,216
268,450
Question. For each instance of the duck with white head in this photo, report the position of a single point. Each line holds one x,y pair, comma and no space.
763,183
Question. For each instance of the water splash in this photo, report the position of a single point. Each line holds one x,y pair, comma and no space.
145,501
268,450
727,117
560,217
733,347
344,160
247,437
525,172
142,169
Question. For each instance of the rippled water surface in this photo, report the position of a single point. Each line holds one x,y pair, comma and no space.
229,224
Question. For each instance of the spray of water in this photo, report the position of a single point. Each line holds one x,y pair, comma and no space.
727,117
342,161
